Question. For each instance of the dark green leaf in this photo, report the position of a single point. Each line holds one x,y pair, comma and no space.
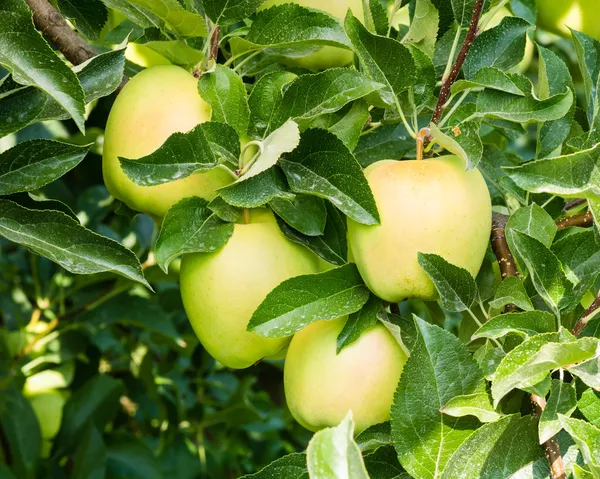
292,466
375,437
129,458
190,227
456,286
304,213
186,23
589,406
35,163
358,323
323,166
89,16
302,300
64,241
389,142
227,12
90,457
562,400
533,221
258,190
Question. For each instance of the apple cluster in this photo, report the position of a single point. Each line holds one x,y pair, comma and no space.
433,206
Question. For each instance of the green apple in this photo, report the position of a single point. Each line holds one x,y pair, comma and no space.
221,290
326,57
153,105
557,16
48,408
144,56
428,206
322,386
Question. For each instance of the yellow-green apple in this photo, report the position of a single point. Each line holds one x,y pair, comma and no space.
221,290
326,57
322,386
557,16
48,408
429,206
153,105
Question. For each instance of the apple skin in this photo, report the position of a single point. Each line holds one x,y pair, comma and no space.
557,15
428,206
221,290
48,408
154,104
321,387
326,57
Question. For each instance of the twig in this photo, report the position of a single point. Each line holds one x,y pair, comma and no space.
508,268
214,43
551,446
460,60
51,23
586,316
585,220
572,204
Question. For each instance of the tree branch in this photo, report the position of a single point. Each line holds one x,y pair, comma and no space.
585,220
508,268
460,60
586,316
52,24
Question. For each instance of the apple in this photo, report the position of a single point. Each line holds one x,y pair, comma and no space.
429,206
221,290
144,56
153,105
326,57
48,408
557,16
322,386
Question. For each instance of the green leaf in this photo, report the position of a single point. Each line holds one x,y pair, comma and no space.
456,286
90,457
183,154
258,190
350,126
385,60
546,272
89,16
588,371
178,52
300,301
332,453
309,96
428,383
138,15
35,163
497,449
283,140
322,165
562,400
130,458
374,437
587,49
32,62
466,143
307,214
359,323
423,29
99,77
530,362
476,404
266,96
491,78
512,291
183,22
463,11
228,12
587,438
528,323
574,175
225,92
502,47
589,406
96,401
388,142
63,240
291,25
292,466
332,245
535,222
554,78
190,227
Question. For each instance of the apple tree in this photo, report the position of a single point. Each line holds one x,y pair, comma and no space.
299,239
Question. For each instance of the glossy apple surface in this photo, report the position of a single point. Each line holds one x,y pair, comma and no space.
428,206
221,290
153,105
322,386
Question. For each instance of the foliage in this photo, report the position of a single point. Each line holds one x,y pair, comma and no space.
89,296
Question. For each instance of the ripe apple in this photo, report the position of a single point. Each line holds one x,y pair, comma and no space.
221,290
326,57
428,206
322,386
557,15
154,104
48,408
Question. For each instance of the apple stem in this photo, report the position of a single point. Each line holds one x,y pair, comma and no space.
246,216
423,133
